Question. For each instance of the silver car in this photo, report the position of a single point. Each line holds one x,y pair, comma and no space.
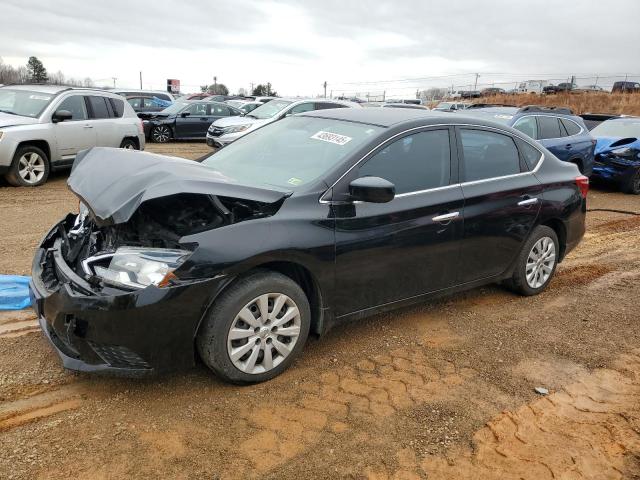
43,127
226,130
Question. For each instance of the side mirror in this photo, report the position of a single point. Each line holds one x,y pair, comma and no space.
185,114
61,116
372,190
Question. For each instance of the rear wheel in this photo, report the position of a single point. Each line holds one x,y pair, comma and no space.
255,329
536,263
632,185
129,144
161,134
30,167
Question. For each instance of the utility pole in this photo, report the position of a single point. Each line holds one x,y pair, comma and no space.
215,83
140,80
331,93
251,92
475,86
325,88
624,85
114,81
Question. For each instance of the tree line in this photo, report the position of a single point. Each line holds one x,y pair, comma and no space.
35,72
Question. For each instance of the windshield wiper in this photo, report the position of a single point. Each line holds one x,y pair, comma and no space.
9,112
249,115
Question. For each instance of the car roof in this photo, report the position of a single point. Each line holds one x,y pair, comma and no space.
45,88
387,117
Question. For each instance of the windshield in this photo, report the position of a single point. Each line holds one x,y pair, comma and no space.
290,153
174,108
269,109
618,128
23,102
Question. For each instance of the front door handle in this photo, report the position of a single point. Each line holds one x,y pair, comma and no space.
528,201
447,217
568,146
88,126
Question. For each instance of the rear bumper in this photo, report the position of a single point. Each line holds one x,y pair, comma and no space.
130,333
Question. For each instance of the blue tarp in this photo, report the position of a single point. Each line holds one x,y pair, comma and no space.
14,292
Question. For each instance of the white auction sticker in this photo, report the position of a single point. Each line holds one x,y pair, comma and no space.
331,137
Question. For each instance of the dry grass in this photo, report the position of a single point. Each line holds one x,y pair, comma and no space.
619,103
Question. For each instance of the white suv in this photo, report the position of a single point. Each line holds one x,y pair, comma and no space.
43,127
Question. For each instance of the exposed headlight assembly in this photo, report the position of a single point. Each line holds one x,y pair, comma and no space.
236,128
136,267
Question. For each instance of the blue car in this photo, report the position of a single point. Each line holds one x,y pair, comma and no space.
618,153
562,133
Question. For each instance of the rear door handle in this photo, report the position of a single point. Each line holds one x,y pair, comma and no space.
447,217
568,146
528,201
88,126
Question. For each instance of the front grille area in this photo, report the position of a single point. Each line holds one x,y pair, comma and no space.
118,356
215,131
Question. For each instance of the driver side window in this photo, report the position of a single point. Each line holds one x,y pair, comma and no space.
303,107
74,104
416,162
197,109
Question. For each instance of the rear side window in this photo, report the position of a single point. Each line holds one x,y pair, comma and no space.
572,128
528,126
219,110
75,105
488,155
530,154
549,127
413,163
117,107
99,107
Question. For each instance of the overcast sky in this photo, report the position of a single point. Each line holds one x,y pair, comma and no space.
298,44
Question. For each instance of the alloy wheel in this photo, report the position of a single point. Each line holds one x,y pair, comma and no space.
161,134
31,167
540,262
264,333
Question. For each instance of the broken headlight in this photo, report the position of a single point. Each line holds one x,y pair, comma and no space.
138,267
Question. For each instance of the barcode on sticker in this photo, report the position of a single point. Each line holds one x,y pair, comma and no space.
331,137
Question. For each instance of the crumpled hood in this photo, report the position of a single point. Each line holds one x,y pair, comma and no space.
606,144
8,120
231,121
113,182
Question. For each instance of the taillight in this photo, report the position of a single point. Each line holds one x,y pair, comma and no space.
583,184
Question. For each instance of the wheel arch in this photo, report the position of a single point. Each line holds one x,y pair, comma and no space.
133,138
41,144
559,227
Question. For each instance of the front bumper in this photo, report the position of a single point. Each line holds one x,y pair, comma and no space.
132,333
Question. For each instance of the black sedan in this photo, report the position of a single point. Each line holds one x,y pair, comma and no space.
185,120
321,217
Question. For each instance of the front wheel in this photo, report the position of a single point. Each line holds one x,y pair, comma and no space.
29,168
256,328
161,134
536,263
632,185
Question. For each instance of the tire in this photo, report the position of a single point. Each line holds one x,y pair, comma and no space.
541,236
161,134
29,168
632,185
227,318
129,144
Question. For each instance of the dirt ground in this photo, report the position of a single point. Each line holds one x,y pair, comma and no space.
444,390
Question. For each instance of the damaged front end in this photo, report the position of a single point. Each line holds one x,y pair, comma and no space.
106,282
617,160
